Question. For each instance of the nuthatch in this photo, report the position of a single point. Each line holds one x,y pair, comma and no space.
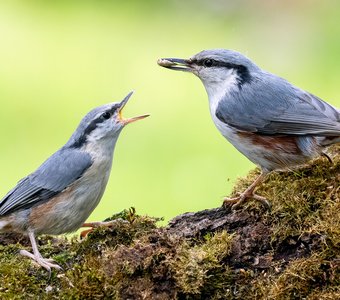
61,194
272,122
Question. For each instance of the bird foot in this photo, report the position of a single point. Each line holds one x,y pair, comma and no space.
96,225
46,263
236,202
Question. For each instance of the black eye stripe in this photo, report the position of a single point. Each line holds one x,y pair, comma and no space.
242,71
106,115
206,62
91,124
100,119
209,63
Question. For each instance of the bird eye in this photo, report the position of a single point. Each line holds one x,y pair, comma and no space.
208,62
106,115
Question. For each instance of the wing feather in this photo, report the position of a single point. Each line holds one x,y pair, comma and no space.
53,176
271,105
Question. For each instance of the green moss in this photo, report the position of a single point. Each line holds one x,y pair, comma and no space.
303,276
198,267
330,293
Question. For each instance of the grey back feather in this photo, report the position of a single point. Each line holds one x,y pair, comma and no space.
57,173
271,105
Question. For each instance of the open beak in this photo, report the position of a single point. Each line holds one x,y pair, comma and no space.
120,109
177,64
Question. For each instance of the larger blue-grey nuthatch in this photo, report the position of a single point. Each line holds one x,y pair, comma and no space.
273,123
61,194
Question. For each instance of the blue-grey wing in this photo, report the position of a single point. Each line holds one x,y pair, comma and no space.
54,175
270,105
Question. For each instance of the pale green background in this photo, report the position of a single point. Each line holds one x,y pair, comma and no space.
59,59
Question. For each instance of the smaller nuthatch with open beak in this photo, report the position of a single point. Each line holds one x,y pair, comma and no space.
272,122
61,194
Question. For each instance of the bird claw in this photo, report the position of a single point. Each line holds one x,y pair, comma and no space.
263,201
93,225
236,202
84,233
46,263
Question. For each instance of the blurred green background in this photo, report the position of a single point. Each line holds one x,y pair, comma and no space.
59,59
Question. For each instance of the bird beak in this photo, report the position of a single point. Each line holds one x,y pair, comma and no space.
120,109
176,64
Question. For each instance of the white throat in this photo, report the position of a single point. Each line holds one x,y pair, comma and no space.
103,149
216,90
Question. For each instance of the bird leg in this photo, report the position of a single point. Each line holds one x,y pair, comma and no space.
96,225
236,202
36,256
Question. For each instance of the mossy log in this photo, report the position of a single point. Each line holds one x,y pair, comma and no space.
289,252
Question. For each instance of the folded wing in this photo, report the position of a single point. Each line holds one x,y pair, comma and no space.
270,105
53,176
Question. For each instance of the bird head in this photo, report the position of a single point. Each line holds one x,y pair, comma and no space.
102,123
218,68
